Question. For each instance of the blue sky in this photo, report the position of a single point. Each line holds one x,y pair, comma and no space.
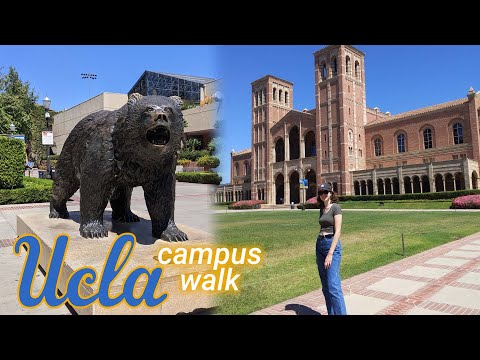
398,78
54,70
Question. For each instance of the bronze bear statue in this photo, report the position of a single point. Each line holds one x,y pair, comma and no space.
108,153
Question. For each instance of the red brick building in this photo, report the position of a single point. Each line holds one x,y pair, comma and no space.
356,149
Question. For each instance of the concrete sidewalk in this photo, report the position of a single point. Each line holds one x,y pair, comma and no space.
192,208
441,281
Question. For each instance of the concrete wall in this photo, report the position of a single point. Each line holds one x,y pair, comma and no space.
66,120
212,87
201,119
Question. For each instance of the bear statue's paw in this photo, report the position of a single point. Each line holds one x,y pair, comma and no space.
93,229
172,233
54,214
127,217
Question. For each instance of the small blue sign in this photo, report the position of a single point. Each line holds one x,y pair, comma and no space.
303,182
18,136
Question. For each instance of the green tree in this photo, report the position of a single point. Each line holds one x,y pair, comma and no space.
193,144
17,103
35,150
215,146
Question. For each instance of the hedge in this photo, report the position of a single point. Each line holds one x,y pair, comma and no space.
225,203
444,195
192,155
466,202
199,177
34,191
417,196
246,204
208,161
12,162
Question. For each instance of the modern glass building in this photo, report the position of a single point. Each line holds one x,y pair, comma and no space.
189,88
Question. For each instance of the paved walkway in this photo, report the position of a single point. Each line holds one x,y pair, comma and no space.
441,281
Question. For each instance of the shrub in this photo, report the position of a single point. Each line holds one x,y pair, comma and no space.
208,161
12,162
192,155
42,164
417,196
246,204
184,162
199,177
312,200
33,191
52,157
225,203
466,202
212,145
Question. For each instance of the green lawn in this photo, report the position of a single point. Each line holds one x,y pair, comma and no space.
397,204
369,240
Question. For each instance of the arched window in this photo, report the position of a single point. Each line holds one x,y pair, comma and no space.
333,66
247,168
347,63
256,98
350,142
401,143
294,140
457,133
378,147
286,97
264,96
280,95
357,70
350,136
427,139
279,150
324,71
310,148
274,94
237,169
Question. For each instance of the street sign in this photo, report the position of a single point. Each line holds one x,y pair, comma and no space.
47,137
18,136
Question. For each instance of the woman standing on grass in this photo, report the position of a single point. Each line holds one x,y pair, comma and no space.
329,250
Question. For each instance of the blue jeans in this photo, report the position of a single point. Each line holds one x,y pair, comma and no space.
330,278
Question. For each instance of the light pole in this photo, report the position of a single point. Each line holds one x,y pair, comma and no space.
89,76
46,105
12,129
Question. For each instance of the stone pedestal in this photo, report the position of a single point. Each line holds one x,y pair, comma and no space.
92,253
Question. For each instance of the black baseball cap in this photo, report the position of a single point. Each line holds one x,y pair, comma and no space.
325,187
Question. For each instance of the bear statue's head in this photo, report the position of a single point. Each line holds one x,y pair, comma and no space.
156,122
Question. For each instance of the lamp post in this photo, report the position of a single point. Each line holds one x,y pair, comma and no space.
89,76
46,105
12,129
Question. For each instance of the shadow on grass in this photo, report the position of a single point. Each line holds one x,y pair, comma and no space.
301,309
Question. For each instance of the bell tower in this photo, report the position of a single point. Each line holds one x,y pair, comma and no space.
272,99
341,114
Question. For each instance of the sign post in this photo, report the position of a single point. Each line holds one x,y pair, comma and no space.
47,137
303,185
